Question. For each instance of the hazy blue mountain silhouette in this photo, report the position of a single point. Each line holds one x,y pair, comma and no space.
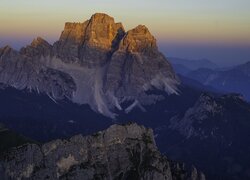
236,79
188,64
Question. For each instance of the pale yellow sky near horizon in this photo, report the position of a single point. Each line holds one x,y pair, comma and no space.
194,20
223,22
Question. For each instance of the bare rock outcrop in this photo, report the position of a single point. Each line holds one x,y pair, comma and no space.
38,48
91,42
96,63
120,152
137,65
28,72
138,40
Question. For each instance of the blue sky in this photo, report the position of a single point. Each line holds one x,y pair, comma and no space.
214,29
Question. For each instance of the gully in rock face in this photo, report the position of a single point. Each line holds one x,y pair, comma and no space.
95,62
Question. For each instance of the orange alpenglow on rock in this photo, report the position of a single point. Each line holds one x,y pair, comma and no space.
139,39
96,63
99,33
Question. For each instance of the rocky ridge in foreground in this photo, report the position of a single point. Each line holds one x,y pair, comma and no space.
120,152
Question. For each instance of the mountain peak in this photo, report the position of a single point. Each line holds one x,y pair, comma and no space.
38,47
141,29
39,41
139,39
104,64
6,50
89,42
101,17
101,31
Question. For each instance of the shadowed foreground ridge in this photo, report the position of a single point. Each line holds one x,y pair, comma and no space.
120,152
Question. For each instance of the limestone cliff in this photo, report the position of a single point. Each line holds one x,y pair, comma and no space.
95,62
120,152
90,42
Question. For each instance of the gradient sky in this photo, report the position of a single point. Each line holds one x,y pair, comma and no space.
216,29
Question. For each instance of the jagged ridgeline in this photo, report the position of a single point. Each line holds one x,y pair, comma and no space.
120,152
95,62
99,66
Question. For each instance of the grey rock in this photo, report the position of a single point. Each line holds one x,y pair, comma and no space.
94,63
138,65
67,48
205,107
120,152
24,72
38,48
89,43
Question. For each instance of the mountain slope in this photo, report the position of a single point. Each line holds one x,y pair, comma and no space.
120,152
10,139
187,64
41,118
233,80
213,134
189,127
95,62
98,74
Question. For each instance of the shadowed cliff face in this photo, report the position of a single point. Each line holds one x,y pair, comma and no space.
120,152
25,72
95,62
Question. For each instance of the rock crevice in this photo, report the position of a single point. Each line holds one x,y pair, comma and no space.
95,62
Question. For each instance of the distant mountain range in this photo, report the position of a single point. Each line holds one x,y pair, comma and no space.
184,66
97,74
236,79
233,79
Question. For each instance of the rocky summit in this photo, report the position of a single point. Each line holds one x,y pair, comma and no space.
90,43
96,63
120,152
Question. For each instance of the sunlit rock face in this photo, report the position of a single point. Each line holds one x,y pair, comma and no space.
120,152
95,62
67,48
138,65
38,48
89,43
138,40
